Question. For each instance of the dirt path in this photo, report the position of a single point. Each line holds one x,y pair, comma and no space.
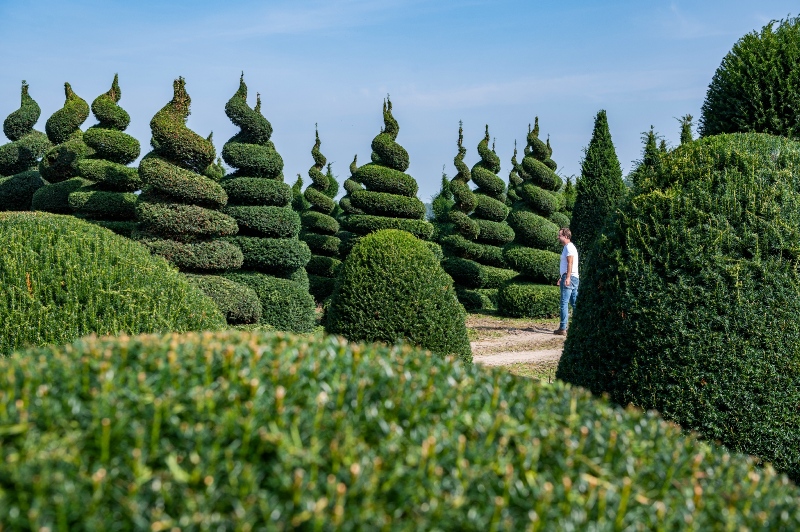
502,341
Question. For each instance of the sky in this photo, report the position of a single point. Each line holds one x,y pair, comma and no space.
331,63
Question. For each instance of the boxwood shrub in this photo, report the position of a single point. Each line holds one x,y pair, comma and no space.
521,298
391,287
495,233
385,204
483,253
16,192
62,278
285,304
265,221
381,179
365,223
535,231
54,198
490,208
277,255
691,303
257,191
238,302
209,255
278,431
536,264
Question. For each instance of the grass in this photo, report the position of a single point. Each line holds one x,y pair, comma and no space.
544,372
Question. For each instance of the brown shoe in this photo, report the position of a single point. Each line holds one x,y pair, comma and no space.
560,332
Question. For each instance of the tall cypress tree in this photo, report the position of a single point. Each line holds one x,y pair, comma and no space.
179,210
535,218
20,157
641,177
686,122
320,227
60,164
380,194
109,200
261,203
474,247
599,188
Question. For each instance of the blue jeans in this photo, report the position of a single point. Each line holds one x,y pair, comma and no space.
568,296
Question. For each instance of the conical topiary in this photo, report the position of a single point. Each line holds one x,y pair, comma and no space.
260,203
388,198
179,209
536,218
320,228
59,165
475,255
20,157
392,288
109,201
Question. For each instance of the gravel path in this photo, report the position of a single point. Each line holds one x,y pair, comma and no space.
502,341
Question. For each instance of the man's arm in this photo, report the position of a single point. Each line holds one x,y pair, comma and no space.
570,258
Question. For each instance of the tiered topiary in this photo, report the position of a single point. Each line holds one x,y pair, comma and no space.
62,278
320,228
380,194
474,249
260,203
60,164
266,431
691,304
536,217
20,157
109,201
392,287
179,209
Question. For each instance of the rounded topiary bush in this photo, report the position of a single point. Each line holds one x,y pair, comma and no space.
391,287
286,304
239,303
691,303
295,432
62,278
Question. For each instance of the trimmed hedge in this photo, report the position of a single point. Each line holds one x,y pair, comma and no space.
110,175
537,264
64,123
327,245
62,278
477,299
62,162
16,192
103,205
691,303
286,305
483,253
209,255
539,200
311,428
319,223
182,185
364,224
494,233
54,198
534,231
257,191
464,225
392,287
490,208
265,221
183,222
520,298
238,303
22,154
277,255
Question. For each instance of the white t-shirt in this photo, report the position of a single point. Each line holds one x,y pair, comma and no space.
569,250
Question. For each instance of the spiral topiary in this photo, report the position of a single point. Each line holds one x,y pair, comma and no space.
479,230
109,200
385,196
320,227
260,203
20,157
392,287
536,215
179,209
59,165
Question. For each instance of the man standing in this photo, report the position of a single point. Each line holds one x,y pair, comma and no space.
568,279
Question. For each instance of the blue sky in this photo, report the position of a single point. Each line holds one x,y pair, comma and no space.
498,62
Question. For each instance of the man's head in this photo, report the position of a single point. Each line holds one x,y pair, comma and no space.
564,236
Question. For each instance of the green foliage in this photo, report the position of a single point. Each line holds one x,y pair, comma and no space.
489,208
756,88
311,428
521,298
570,196
478,299
109,175
599,189
16,192
64,123
21,122
534,231
485,254
62,278
691,303
237,302
538,199
647,169
392,287
686,128
62,162
103,205
389,200
54,198
537,265
494,233
286,305
265,221
559,219
280,256
21,154
257,191
179,210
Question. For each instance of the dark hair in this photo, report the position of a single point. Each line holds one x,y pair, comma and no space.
565,232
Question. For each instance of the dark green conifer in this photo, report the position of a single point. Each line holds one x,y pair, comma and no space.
320,227
599,188
60,164
686,122
536,218
109,200
641,177
473,247
261,203
382,195
20,157
179,210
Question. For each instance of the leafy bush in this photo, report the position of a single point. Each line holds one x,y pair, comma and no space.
364,224
17,191
279,431
277,255
536,264
238,302
54,198
757,87
482,253
62,278
257,191
520,298
285,304
392,287
691,303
